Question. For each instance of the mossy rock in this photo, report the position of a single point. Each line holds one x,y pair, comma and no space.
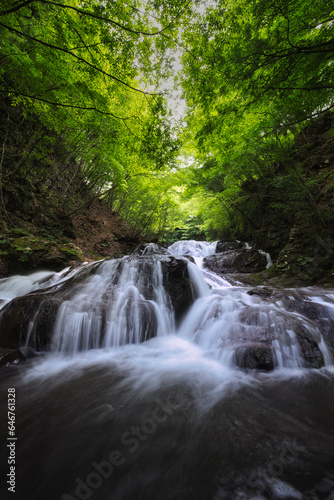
27,248
72,251
60,256
22,250
31,243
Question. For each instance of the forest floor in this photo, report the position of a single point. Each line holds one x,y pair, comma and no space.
101,233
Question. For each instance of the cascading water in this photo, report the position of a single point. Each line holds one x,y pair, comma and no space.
160,379
196,251
111,308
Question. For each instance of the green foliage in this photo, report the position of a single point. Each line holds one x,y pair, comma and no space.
82,117
75,66
191,229
246,55
305,261
78,119
150,204
254,73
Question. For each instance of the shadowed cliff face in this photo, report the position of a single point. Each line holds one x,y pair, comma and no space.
288,211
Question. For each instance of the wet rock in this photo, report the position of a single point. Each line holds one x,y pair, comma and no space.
28,352
226,245
299,303
289,332
175,280
319,313
255,356
310,351
33,314
261,291
10,356
236,261
143,323
30,319
176,283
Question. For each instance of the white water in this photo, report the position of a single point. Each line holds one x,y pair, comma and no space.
268,257
20,285
114,296
188,424
197,251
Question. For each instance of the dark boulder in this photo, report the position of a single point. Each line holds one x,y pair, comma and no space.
175,279
30,319
236,261
147,325
34,315
227,245
288,332
310,351
28,352
261,291
177,285
310,304
255,356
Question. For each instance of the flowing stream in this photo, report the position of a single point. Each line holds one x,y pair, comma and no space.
145,390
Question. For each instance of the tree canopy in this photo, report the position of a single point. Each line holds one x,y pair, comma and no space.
253,74
87,70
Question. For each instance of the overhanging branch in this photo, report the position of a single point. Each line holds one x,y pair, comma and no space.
64,105
81,59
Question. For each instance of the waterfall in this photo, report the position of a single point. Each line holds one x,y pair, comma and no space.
126,301
123,302
267,256
156,377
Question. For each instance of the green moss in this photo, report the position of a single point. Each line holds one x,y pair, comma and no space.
30,243
72,251
34,251
258,278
